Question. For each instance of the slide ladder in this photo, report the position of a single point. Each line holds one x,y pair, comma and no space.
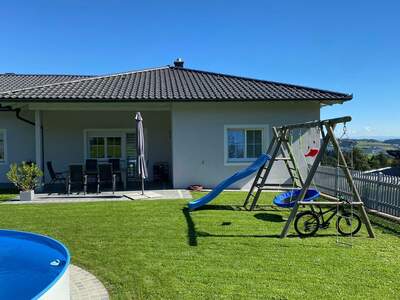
279,150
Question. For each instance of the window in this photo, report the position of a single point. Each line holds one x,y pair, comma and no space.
105,147
2,146
243,143
96,147
113,147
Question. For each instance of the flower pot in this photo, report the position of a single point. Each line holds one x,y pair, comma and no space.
26,195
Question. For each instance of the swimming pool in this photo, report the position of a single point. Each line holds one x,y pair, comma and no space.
33,266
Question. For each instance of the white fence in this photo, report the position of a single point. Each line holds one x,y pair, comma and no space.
378,192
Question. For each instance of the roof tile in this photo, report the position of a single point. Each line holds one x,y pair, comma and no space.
162,84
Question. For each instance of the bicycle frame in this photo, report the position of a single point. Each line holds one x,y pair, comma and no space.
322,213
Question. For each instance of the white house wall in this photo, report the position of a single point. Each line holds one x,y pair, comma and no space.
64,135
64,139
20,140
198,138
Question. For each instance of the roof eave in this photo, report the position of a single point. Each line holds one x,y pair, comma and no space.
180,100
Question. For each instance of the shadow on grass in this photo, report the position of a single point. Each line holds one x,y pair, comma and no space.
192,234
206,234
221,207
191,231
269,217
236,208
386,226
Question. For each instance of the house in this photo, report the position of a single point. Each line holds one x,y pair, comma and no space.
203,125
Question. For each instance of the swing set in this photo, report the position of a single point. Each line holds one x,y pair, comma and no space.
280,149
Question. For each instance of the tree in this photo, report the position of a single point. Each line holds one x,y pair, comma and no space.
329,159
379,161
358,159
395,163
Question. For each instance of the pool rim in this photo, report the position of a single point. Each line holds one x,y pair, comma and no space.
39,238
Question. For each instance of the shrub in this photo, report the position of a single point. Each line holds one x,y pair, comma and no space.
24,176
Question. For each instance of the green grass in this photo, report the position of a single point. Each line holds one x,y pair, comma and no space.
368,145
4,197
156,250
7,194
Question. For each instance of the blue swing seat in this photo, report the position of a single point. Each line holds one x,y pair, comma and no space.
288,199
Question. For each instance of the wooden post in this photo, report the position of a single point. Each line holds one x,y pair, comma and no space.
306,185
349,178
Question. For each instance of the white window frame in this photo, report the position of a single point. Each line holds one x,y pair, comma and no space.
105,145
4,133
105,133
245,161
110,132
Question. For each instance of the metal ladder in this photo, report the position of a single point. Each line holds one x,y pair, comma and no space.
279,145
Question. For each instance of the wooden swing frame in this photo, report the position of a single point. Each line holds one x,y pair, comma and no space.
280,145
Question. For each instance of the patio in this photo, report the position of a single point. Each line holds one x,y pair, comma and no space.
98,137
105,196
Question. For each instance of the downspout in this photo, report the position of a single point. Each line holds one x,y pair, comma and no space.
18,116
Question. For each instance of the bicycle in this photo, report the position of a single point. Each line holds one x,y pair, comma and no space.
307,223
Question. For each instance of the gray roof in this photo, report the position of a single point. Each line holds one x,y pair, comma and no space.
12,81
167,84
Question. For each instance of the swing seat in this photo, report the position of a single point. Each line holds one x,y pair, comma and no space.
288,199
312,152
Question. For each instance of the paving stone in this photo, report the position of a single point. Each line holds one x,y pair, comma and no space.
85,286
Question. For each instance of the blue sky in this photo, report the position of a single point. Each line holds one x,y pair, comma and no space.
349,46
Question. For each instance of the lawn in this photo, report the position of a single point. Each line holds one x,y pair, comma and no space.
157,250
4,197
7,195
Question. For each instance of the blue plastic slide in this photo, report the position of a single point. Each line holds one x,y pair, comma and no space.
254,167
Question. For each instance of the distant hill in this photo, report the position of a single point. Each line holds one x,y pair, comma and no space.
370,146
392,141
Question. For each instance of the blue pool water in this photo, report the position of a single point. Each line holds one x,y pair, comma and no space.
29,264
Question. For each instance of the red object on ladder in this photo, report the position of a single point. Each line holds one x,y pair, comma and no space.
312,152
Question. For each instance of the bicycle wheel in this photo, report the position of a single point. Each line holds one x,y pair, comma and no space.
348,223
306,223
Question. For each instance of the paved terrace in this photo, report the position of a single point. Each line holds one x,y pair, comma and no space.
105,196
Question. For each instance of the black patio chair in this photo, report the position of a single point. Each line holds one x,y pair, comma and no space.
91,167
106,176
56,177
116,169
91,170
76,177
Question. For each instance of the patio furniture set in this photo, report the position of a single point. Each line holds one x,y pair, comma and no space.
93,173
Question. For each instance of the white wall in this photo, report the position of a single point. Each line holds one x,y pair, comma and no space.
20,140
64,139
198,137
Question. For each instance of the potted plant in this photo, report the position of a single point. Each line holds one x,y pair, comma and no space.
25,177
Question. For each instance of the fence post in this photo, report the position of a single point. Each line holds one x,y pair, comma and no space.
337,182
378,185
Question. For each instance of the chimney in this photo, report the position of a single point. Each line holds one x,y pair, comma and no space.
178,63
